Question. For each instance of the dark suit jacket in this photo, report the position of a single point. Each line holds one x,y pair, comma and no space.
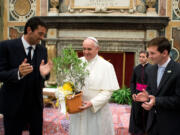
138,115
12,54
166,112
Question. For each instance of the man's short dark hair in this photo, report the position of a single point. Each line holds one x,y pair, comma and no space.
162,43
33,23
144,52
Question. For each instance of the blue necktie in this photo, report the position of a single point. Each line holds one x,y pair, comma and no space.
160,74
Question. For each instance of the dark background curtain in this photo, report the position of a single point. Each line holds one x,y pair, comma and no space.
116,58
129,66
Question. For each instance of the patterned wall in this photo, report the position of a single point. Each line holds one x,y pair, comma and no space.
16,13
173,29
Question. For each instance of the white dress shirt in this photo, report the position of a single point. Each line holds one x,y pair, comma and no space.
26,46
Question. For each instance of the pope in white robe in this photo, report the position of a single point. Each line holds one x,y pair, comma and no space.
96,117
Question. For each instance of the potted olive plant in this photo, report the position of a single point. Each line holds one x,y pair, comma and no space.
71,73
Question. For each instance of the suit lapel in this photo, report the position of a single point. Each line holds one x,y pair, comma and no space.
166,75
154,81
19,50
37,53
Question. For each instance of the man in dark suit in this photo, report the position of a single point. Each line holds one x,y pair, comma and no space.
162,98
138,116
23,70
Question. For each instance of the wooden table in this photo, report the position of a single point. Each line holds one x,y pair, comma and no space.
49,92
49,97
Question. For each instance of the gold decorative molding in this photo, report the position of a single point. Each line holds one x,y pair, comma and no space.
124,69
172,23
52,33
38,8
150,34
169,6
22,10
169,29
5,20
51,54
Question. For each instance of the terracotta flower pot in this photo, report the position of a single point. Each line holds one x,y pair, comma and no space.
73,102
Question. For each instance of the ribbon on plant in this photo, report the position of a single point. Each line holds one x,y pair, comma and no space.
61,101
61,94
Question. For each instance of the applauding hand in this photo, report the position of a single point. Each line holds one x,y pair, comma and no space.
45,68
142,96
25,68
150,104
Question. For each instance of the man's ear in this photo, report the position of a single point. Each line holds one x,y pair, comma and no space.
29,30
165,52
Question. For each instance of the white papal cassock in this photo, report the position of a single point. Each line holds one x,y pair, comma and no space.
99,85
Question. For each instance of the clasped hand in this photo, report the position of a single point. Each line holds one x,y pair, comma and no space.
148,100
25,68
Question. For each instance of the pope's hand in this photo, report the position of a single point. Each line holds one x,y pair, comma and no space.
25,68
85,105
45,68
142,96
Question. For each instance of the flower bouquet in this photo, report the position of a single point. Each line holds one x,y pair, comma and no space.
71,72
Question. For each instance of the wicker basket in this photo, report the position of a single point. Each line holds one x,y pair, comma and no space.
73,103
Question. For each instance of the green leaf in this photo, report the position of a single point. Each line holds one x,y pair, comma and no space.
122,96
70,68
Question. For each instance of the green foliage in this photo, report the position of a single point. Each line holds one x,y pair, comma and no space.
122,96
70,68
